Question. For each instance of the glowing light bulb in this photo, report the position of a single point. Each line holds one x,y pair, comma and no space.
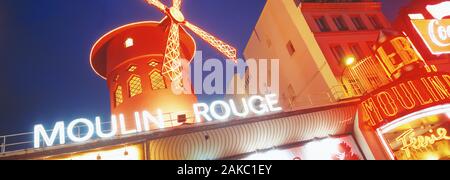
129,42
349,61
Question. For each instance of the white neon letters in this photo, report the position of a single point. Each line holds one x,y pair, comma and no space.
98,128
201,110
258,105
39,131
82,130
149,119
244,112
252,104
224,107
272,101
72,126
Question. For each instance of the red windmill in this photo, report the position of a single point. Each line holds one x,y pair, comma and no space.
141,60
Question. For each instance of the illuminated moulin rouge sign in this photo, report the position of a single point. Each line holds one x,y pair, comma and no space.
404,97
258,105
414,86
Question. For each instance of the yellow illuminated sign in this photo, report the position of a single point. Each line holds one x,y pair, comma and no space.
435,33
411,141
397,53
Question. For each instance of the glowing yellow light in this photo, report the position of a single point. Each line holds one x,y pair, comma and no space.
132,68
431,156
118,96
153,64
135,86
412,142
157,81
350,61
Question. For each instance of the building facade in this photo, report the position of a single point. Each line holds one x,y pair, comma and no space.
407,118
314,41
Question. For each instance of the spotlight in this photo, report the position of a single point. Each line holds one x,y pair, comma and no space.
349,61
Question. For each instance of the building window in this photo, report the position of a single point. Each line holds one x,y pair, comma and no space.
338,53
153,64
269,42
129,43
357,51
322,24
135,86
290,47
375,22
358,22
340,23
132,68
118,96
157,80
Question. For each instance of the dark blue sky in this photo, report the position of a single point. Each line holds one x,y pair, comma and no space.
44,50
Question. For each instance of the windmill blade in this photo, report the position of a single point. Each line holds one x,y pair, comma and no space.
172,62
229,51
157,4
177,4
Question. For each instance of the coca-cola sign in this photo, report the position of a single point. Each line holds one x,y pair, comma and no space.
435,33
439,33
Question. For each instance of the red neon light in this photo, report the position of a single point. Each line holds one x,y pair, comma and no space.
405,97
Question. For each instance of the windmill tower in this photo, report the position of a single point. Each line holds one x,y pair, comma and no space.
142,63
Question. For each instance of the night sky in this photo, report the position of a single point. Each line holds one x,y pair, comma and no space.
44,50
